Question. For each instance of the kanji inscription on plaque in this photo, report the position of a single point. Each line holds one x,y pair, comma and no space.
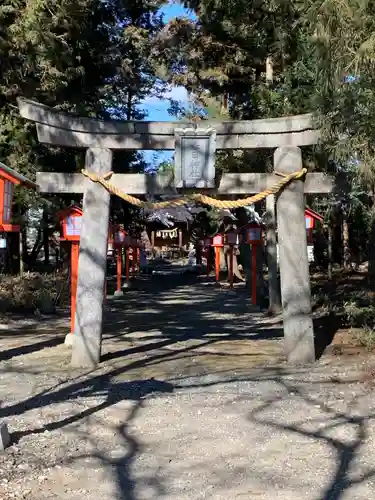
195,158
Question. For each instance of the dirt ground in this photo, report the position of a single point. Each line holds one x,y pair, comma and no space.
193,400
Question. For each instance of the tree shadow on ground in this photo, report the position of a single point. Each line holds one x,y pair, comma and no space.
325,329
345,451
267,413
30,348
136,391
208,318
209,313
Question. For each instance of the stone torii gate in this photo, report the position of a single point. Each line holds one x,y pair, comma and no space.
100,138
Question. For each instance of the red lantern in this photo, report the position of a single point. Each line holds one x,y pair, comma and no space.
218,241
309,222
253,234
232,237
71,221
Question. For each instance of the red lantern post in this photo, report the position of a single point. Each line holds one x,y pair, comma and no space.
71,222
232,240
217,243
254,238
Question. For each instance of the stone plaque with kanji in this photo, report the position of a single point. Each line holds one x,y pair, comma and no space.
195,158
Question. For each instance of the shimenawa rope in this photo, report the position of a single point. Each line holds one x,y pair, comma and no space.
195,197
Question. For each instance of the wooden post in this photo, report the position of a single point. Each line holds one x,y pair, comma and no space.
330,257
127,264
92,264
231,256
152,241
180,239
22,264
254,274
132,253
138,259
74,253
208,259
294,266
271,249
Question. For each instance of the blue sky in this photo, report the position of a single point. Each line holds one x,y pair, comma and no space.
157,109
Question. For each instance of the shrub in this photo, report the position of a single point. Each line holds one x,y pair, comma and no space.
31,293
366,338
359,316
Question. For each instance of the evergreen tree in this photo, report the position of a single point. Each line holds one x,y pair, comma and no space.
82,56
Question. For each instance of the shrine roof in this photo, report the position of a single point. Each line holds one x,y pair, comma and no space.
180,214
14,177
72,209
313,214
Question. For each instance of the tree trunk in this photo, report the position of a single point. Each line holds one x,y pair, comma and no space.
45,236
345,241
274,297
236,272
198,253
36,248
269,70
371,251
22,266
330,250
25,253
129,105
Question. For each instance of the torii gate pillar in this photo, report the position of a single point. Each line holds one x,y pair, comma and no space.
294,265
92,263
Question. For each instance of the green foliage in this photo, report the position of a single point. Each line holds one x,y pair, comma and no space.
366,337
225,52
239,60
344,46
81,56
166,167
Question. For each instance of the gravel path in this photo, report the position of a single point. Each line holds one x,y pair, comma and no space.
192,401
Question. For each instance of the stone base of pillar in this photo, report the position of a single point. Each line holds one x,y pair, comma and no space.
4,436
274,310
69,339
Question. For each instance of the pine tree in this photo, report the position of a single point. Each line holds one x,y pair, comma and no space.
82,56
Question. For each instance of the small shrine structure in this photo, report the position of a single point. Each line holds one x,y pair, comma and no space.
8,179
